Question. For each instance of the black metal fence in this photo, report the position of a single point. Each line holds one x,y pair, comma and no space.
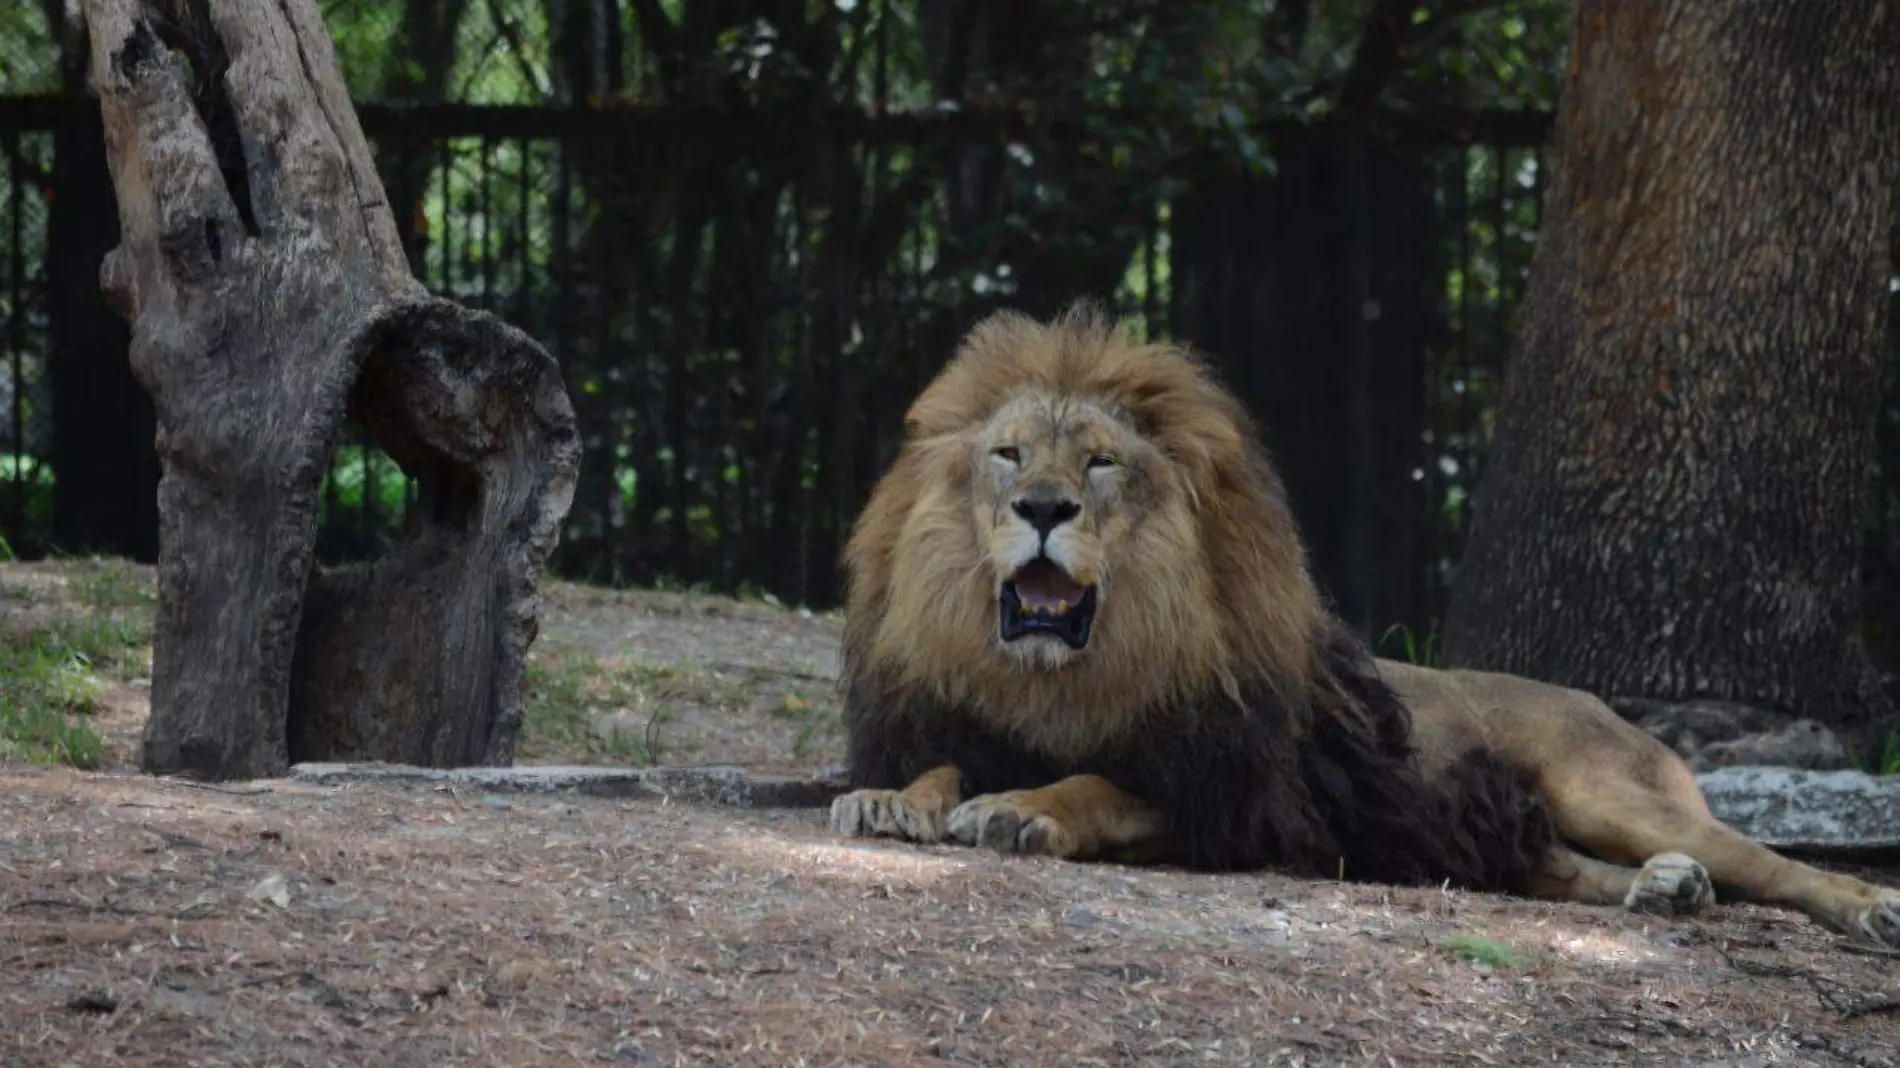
744,310
743,313
26,417
741,317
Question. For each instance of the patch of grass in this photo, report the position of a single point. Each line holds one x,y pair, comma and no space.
118,648
1482,950
105,587
813,718
47,689
53,666
1890,754
1423,653
15,594
570,703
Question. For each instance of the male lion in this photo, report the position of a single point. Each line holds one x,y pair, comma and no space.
1080,623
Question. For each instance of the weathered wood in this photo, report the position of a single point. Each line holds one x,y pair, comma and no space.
269,296
1676,487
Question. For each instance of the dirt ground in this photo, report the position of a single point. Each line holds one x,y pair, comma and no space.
152,922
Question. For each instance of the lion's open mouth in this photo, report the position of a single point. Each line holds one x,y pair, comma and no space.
1042,599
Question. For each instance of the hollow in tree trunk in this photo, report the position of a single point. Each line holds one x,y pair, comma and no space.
1674,498
270,301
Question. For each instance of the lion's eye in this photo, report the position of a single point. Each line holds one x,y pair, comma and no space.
1101,460
1008,452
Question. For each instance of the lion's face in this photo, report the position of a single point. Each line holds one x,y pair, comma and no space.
1075,531
1061,486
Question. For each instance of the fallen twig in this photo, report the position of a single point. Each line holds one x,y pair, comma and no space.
1826,990
653,745
1870,1007
75,906
193,911
1862,949
332,997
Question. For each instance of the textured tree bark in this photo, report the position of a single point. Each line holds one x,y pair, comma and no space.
1681,462
270,300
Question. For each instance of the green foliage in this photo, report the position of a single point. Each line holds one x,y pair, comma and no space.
29,481
573,708
49,686
1489,951
1134,103
1424,653
29,50
1501,55
815,719
359,477
1890,755
53,666
106,587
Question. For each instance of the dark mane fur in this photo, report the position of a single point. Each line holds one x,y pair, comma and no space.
1251,784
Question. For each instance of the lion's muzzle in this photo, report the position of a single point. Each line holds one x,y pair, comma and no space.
1041,599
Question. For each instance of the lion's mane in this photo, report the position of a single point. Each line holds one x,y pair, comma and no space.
1222,690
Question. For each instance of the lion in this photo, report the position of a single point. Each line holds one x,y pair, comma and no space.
1080,623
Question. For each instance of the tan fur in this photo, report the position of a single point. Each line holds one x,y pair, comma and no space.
1082,817
919,812
924,588
1202,581
1620,796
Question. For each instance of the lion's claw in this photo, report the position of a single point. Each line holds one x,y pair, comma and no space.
1880,924
884,814
1670,884
998,822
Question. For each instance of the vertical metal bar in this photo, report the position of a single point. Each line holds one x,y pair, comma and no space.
1441,416
1456,438
1500,223
469,269
1150,299
16,322
1355,594
563,267
606,273
523,246
488,225
448,225
368,512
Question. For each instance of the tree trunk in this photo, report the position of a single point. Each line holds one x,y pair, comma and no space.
269,299
1682,457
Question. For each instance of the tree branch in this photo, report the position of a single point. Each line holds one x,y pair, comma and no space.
1376,61
661,39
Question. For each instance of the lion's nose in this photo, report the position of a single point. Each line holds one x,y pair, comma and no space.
1046,513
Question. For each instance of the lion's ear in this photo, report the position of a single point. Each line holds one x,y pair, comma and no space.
931,416
1191,422
952,404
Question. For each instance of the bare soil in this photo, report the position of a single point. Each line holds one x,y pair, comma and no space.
147,921
718,680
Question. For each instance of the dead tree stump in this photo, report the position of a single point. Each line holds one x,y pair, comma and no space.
270,301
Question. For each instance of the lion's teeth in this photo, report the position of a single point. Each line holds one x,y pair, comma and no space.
1062,608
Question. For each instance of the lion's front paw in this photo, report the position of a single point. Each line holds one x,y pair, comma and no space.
1880,923
1670,884
884,814
1003,822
